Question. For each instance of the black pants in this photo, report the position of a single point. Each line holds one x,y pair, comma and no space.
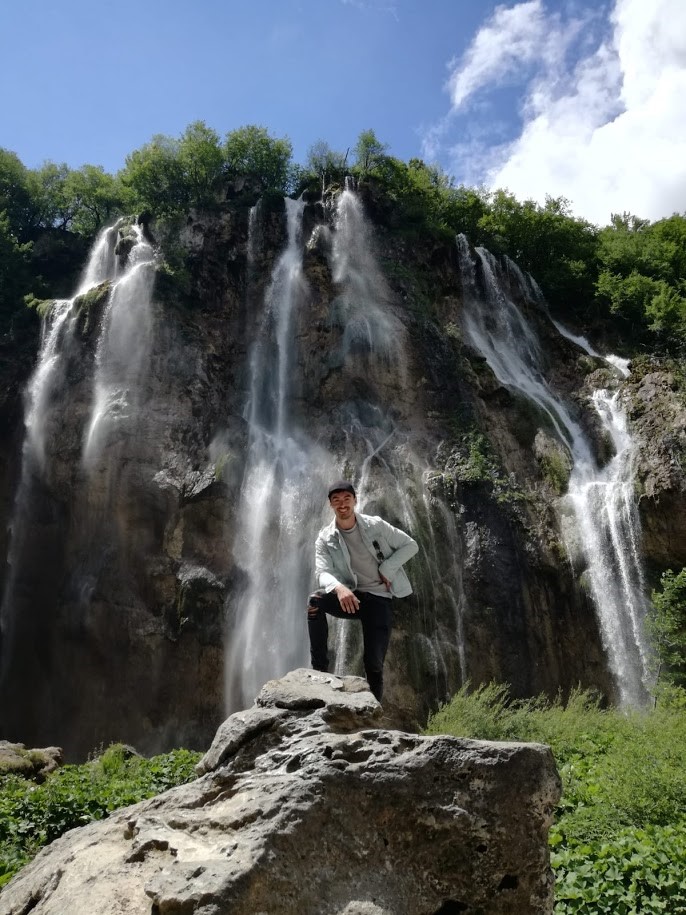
376,615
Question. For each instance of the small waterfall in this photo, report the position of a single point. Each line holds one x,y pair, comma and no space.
280,506
362,306
123,346
608,526
605,520
42,409
622,365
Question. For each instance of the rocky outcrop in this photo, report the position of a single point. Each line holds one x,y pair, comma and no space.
306,806
657,408
36,764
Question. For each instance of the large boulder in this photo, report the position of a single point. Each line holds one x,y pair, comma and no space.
306,806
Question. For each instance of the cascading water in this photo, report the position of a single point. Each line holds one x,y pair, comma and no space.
608,527
122,348
280,508
605,520
361,308
373,341
42,410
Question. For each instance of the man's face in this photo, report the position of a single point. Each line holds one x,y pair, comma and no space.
343,504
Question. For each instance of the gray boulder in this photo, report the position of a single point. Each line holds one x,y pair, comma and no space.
305,805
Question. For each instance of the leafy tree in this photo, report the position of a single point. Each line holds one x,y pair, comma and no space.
201,161
642,275
327,164
667,626
91,198
154,175
15,195
14,270
369,152
51,203
250,151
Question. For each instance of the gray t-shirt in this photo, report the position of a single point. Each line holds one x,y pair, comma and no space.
364,565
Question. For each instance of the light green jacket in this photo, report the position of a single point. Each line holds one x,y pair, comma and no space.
332,563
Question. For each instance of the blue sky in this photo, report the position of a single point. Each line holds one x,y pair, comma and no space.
569,97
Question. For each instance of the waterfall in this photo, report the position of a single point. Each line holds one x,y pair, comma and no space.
622,365
605,526
282,506
280,510
608,526
42,410
122,348
362,306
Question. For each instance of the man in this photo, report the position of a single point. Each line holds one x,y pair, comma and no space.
359,561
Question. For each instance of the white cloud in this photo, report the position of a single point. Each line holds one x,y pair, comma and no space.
608,131
510,38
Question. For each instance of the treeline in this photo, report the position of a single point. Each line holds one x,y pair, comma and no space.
629,275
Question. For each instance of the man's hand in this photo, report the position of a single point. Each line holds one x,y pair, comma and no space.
349,603
385,581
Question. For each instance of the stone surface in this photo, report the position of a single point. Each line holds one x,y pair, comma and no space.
294,818
34,763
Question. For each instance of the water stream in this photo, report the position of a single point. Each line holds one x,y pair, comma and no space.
602,521
44,405
122,349
280,507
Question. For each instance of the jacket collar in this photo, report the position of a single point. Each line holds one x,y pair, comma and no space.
331,532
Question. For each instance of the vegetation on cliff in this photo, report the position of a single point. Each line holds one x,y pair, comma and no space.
33,815
629,276
619,840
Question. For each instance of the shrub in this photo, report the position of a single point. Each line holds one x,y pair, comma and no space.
33,815
619,840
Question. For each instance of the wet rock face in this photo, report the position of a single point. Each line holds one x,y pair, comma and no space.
305,805
120,635
657,408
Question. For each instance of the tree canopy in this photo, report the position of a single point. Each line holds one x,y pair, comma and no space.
630,274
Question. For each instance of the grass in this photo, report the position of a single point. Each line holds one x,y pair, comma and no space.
618,844
32,815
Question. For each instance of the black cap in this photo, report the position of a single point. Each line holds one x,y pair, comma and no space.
341,486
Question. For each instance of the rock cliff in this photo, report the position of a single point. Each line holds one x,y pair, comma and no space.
139,602
306,805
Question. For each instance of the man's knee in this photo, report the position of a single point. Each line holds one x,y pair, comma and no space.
314,607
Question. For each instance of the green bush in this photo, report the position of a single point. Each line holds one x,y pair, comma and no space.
33,815
619,840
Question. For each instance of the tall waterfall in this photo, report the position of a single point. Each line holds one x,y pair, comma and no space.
362,306
388,474
280,507
604,526
122,348
42,410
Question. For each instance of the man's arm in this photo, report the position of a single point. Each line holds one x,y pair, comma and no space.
404,547
324,571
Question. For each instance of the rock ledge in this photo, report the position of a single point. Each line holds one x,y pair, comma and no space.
304,805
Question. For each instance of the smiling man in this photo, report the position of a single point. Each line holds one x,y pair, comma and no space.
359,560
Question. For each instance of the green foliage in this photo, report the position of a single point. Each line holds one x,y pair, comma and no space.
619,841
251,151
667,628
546,241
642,275
325,163
637,870
14,260
472,461
90,198
369,152
33,815
555,469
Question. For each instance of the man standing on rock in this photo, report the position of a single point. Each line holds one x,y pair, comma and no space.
359,561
